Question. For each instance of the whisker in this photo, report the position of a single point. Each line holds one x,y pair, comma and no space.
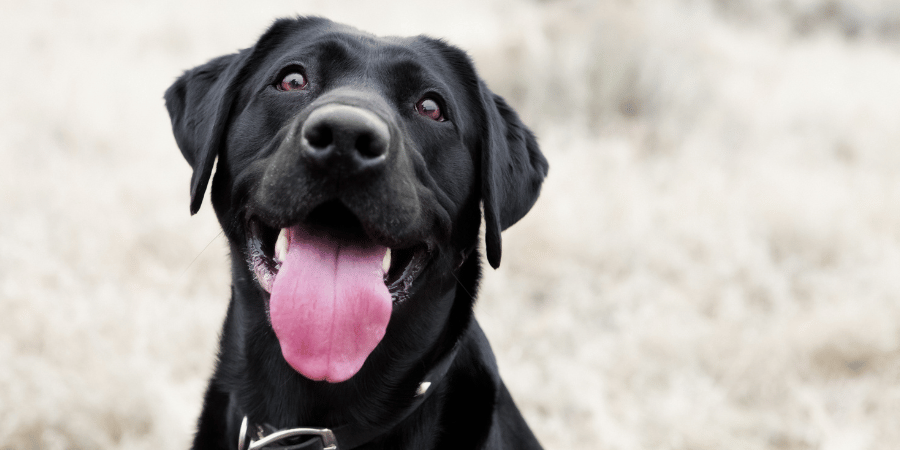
219,234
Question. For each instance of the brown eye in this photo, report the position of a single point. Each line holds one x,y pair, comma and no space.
292,82
430,109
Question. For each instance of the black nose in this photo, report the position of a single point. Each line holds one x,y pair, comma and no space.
344,137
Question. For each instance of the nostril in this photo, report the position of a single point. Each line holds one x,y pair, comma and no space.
319,137
370,146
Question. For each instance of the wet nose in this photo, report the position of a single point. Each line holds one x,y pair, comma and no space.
346,137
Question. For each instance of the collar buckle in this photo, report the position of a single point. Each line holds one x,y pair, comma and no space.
327,436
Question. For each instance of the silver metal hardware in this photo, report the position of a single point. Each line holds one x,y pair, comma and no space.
328,440
242,434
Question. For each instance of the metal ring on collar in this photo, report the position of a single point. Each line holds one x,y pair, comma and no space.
328,440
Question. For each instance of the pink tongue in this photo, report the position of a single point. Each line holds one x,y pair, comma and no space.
329,305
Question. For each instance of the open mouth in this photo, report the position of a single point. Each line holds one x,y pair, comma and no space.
331,288
267,247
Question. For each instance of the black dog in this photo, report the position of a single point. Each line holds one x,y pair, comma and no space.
339,151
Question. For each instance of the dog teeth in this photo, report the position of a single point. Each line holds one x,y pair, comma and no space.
386,263
281,245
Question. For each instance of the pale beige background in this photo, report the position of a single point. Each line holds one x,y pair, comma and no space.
714,262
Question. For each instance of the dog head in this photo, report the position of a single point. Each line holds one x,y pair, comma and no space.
352,171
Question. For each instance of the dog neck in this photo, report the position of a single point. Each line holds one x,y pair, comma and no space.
347,436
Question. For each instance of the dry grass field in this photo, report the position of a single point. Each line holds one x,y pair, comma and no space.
714,262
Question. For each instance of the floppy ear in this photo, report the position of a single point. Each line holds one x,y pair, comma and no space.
512,170
199,104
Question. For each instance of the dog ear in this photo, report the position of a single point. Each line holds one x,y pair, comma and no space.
199,104
512,170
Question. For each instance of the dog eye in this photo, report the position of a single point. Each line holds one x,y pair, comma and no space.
292,82
430,109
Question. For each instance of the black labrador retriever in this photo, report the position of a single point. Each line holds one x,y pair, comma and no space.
352,174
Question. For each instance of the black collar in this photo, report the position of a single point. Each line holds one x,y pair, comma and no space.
344,437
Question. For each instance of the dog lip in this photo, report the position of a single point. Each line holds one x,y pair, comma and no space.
264,261
400,287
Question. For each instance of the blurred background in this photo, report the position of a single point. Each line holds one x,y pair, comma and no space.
714,262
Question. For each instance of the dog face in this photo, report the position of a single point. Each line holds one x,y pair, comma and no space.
351,174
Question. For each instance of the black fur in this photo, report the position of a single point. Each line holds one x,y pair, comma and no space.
429,192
